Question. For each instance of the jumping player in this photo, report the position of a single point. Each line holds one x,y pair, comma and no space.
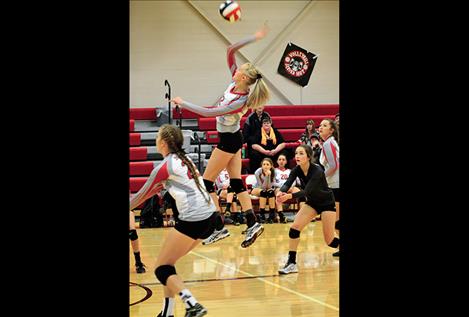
196,216
234,103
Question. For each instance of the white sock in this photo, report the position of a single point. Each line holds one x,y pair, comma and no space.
168,307
187,298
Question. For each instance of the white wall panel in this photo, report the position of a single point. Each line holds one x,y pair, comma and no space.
185,43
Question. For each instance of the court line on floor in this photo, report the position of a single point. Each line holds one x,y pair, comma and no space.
148,294
268,282
216,279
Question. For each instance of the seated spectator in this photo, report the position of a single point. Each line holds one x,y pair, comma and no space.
281,175
265,186
268,142
225,192
309,134
251,126
311,137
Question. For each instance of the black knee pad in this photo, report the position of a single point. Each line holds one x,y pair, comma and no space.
294,234
230,190
163,272
334,243
237,185
263,193
209,186
270,193
337,224
133,235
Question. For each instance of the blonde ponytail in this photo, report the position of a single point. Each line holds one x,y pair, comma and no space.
260,94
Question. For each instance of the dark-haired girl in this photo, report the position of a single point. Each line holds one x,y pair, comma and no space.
319,201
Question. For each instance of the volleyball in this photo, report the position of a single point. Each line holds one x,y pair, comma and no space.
230,11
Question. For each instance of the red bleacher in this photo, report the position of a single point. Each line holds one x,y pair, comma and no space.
286,122
134,139
290,120
142,113
289,135
279,110
138,153
140,168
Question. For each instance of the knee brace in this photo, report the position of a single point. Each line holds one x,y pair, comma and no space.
337,224
133,235
237,185
294,234
162,273
334,243
209,186
263,193
270,193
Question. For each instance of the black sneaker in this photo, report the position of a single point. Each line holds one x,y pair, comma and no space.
282,217
140,267
161,315
261,218
196,311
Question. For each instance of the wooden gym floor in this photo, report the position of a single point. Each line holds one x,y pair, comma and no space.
233,282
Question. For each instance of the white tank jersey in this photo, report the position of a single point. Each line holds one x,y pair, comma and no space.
281,177
174,174
329,158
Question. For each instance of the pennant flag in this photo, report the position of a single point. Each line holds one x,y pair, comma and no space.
297,64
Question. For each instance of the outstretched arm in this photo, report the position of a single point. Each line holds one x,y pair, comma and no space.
233,48
211,111
152,186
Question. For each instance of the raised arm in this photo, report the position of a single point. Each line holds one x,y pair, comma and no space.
233,48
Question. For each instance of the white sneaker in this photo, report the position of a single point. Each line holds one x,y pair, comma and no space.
217,235
252,234
289,268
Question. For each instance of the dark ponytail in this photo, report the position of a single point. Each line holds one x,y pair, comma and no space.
173,137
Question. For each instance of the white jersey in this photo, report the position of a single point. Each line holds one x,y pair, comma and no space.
281,176
223,179
175,176
329,158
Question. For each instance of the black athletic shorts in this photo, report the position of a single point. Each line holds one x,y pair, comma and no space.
197,229
320,209
230,142
336,192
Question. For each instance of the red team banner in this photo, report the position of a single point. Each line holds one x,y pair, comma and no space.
297,64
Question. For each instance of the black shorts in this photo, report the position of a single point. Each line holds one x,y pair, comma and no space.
197,229
336,192
230,142
320,209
